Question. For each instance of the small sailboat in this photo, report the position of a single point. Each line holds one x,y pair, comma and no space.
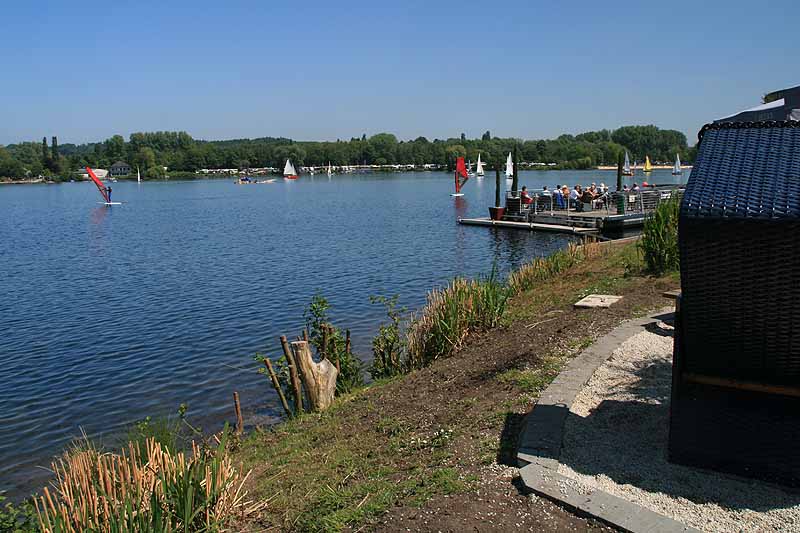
676,170
138,175
509,167
329,169
461,176
626,168
479,167
289,172
648,167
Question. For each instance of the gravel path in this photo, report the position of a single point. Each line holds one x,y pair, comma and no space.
616,440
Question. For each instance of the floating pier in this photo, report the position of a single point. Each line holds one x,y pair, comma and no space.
530,226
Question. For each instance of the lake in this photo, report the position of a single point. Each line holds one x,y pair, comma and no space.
110,314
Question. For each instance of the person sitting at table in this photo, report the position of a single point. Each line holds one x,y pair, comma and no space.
526,198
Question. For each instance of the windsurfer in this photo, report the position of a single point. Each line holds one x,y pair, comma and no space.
108,191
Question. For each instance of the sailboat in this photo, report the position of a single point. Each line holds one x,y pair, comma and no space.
138,175
105,192
626,168
647,166
289,172
329,169
479,167
676,170
509,167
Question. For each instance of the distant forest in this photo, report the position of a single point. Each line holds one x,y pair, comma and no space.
179,152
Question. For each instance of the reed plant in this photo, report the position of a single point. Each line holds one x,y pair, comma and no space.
451,314
542,269
389,345
155,491
659,242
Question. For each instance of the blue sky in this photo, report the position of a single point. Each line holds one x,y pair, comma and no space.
325,70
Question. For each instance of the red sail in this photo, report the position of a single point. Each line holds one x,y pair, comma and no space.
461,172
100,186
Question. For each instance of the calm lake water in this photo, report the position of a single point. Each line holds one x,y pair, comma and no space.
110,314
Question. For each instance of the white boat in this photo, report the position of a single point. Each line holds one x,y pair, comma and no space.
676,170
289,172
479,167
138,175
626,168
329,169
509,167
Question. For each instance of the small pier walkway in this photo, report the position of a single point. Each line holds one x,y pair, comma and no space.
530,226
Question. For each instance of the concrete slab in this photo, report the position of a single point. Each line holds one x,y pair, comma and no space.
598,300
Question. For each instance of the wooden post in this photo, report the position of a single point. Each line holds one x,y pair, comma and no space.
319,379
497,185
238,408
515,177
620,164
277,384
323,354
305,335
298,392
347,341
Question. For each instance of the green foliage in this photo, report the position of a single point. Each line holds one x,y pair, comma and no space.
451,314
171,432
17,518
351,371
388,346
659,241
179,152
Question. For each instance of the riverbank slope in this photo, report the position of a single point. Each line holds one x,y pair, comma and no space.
434,450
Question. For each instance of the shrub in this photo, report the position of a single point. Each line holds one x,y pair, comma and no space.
659,242
17,518
388,346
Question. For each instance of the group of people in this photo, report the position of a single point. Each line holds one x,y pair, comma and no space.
577,196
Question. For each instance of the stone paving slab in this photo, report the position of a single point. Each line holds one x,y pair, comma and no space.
543,434
598,300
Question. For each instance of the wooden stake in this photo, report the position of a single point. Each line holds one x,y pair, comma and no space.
347,341
324,352
277,384
319,379
298,392
238,408
305,335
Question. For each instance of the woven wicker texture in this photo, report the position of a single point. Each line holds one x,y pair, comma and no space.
740,304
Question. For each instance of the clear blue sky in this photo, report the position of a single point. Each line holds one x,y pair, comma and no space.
325,70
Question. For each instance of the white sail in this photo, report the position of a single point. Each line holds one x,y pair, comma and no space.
677,168
479,166
626,168
329,169
138,176
509,166
289,170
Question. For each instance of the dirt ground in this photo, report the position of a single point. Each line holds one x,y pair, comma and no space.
477,399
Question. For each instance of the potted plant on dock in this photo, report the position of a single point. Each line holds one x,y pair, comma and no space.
497,212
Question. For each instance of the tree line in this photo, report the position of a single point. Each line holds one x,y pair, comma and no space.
152,152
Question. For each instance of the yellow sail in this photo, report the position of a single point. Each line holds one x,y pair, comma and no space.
647,166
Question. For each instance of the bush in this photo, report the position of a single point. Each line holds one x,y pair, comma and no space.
17,518
388,346
659,242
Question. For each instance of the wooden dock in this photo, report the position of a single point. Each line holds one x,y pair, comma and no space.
530,226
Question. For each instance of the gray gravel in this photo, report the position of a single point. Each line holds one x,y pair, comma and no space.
616,440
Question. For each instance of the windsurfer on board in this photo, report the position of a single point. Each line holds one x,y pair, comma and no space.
108,191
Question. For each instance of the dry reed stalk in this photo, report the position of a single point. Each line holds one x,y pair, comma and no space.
92,490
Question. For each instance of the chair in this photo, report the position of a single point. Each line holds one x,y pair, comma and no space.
515,209
736,366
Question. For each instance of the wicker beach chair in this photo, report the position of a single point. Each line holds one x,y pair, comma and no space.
736,367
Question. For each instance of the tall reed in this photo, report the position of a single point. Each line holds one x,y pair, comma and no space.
137,491
659,242
452,313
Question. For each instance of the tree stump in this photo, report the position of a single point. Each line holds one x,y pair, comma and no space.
319,379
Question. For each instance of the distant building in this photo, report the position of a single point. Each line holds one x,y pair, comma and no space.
778,105
101,173
120,168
